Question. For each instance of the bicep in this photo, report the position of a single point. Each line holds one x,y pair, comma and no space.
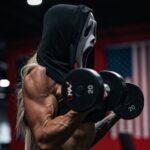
38,111
39,102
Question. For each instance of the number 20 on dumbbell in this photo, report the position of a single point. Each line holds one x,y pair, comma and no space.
83,89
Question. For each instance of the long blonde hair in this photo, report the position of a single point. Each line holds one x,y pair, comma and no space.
21,125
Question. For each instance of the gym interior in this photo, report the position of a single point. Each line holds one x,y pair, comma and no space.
123,46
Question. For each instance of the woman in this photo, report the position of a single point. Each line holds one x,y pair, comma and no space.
38,98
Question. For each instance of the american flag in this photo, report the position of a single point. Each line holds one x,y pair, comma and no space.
132,61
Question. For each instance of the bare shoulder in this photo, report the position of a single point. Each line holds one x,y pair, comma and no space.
40,104
37,83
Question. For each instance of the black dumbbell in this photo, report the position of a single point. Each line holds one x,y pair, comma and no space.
115,90
83,90
130,109
133,104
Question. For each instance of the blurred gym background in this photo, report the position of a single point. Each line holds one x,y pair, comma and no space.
123,45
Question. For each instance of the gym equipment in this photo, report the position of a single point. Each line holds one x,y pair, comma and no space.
126,141
115,88
115,92
81,91
130,109
84,88
133,104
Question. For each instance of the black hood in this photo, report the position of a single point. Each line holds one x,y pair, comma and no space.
62,28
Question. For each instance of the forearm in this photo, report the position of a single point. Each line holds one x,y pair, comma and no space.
82,138
103,126
57,131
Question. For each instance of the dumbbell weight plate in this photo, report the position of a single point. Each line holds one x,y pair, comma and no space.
133,104
82,89
118,89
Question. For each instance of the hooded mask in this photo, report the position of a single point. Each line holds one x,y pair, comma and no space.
69,35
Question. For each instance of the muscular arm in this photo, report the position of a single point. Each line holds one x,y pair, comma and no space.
103,126
40,100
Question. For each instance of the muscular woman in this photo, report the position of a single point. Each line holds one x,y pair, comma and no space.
68,35
50,131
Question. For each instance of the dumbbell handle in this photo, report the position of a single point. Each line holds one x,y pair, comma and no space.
103,126
107,88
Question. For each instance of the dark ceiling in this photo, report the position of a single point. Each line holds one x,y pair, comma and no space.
19,20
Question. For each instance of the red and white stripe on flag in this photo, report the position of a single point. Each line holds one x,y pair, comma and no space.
140,126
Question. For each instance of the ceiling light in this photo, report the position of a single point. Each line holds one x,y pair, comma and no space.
34,2
5,133
4,83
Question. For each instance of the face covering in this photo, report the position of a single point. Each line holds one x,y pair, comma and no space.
86,42
69,34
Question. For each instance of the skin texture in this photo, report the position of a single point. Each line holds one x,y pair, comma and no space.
52,132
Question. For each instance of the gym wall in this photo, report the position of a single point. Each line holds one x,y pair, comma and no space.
108,40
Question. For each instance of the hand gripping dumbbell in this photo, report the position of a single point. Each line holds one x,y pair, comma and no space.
85,90
82,90
129,109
